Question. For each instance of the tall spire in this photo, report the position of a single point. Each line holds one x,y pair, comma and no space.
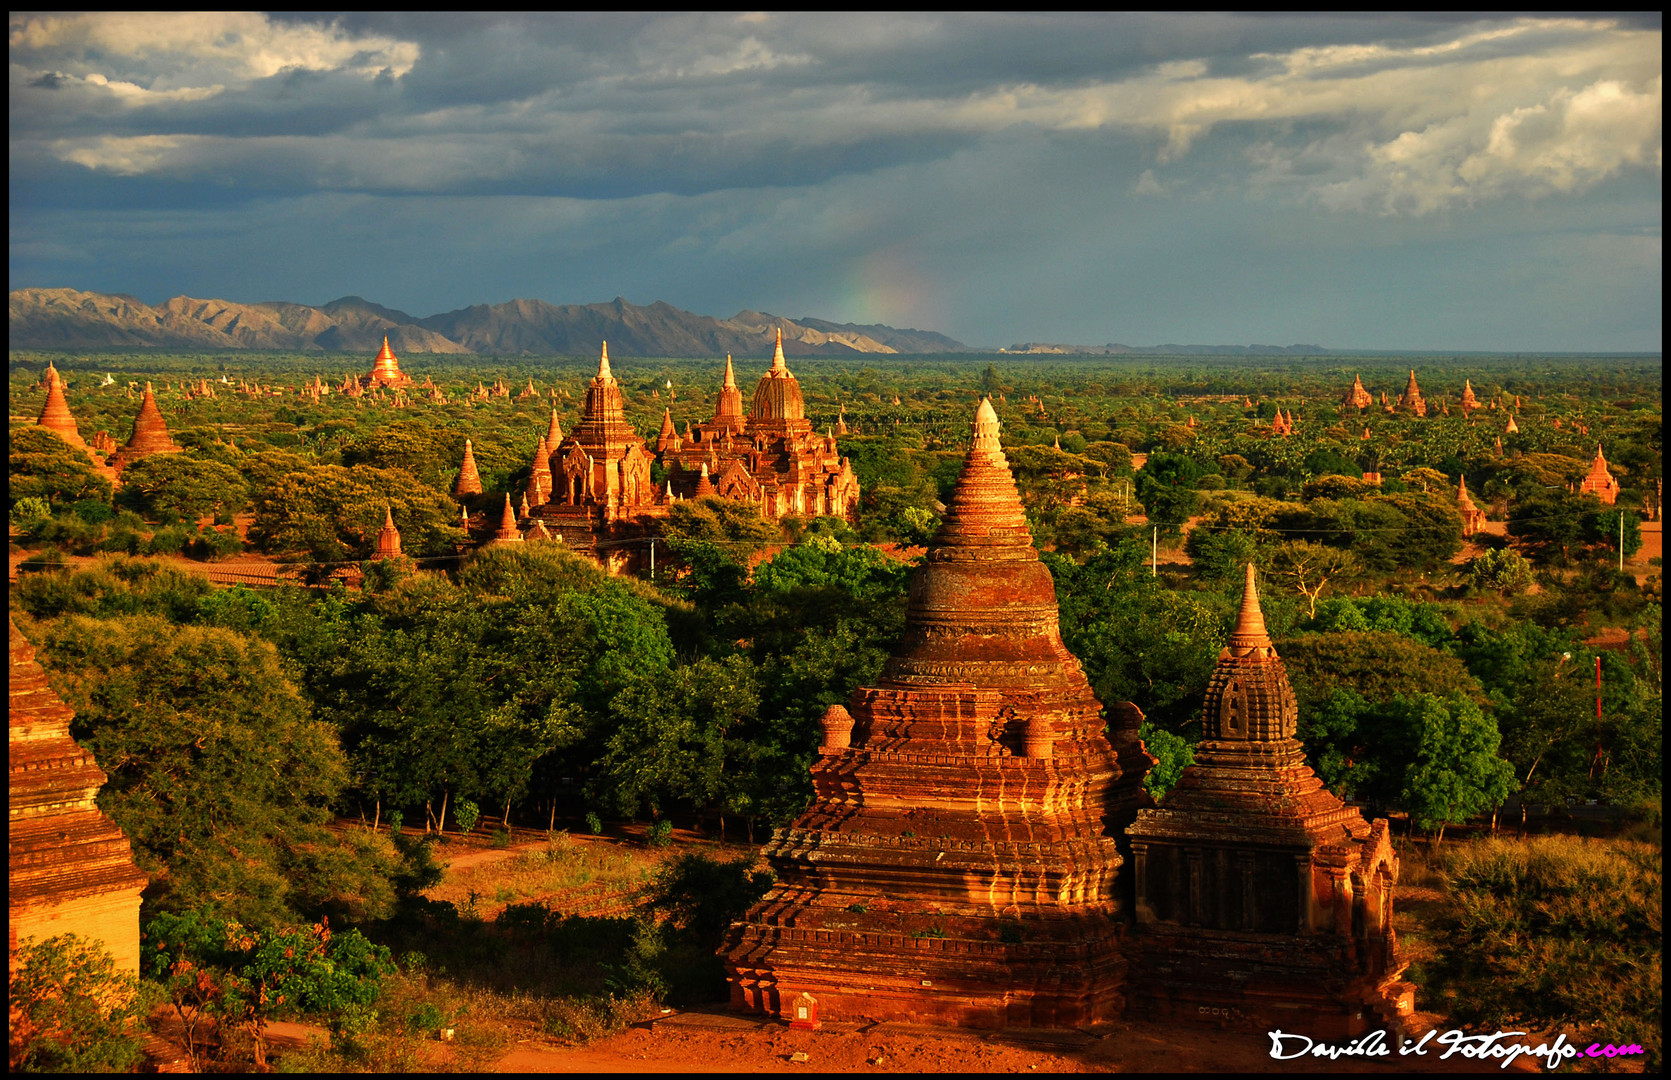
730,376
777,353
554,433
469,480
603,363
55,413
1250,621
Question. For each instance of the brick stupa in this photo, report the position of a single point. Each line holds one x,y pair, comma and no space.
69,868
1599,481
958,862
55,413
150,434
1358,397
1473,518
469,481
1262,900
388,540
1469,401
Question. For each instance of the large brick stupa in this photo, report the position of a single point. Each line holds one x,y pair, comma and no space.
959,861
69,868
1262,900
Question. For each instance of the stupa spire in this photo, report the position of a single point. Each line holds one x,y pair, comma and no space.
603,363
469,480
554,433
55,413
777,353
507,532
150,434
1250,620
731,376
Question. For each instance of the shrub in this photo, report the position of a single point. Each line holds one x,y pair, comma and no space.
466,813
1555,932
72,1011
501,838
30,511
594,824
660,834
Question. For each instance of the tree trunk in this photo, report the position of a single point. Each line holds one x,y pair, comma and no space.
722,828
429,818
377,818
441,822
507,815
551,828
1439,838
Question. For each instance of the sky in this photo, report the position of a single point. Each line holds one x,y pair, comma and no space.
1358,182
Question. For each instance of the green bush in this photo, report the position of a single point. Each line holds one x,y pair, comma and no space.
594,823
501,838
72,1011
466,813
29,511
660,834
169,540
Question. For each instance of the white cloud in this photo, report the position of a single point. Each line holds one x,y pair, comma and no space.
242,45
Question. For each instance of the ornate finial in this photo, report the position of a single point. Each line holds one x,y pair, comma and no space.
985,428
603,363
730,378
388,516
777,353
1250,621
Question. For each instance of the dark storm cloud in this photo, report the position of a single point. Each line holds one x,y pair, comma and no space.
972,168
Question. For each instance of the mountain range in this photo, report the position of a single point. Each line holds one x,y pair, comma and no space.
71,319
1041,348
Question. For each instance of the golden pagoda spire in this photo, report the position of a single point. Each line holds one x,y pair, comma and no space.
554,433
777,353
603,363
730,378
1250,621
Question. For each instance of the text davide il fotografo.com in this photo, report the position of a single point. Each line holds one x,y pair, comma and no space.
1286,1047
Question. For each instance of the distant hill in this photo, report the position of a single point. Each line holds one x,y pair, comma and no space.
1113,349
70,319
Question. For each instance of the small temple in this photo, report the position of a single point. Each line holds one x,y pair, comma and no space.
150,434
70,869
385,371
1261,897
958,863
1358,397
469,481
1469,401
1512,427
1599,481
388,540
1473,518
1412,397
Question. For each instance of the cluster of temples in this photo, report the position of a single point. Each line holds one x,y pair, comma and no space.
150,431
592,489
980,849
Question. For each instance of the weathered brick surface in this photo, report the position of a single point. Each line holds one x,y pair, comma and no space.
70,869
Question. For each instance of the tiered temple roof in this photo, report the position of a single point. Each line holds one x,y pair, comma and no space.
150,434
1258,892
1412,397
1469,401
1358,397
69,868
507,532
958,863
1599,481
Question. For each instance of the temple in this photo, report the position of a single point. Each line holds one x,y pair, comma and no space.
1469,401
1260,896
150,434
385,371
600,490
958,863
1473,518
1599,482
388,541
1412,397
70,870
1358,397
469,481
771,456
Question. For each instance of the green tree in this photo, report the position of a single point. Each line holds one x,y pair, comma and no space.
1375,665
737,527
1310,568
71,1010
217,773
1500,570
1456,772
334,514
1173,754
172,487
1559,529
44,466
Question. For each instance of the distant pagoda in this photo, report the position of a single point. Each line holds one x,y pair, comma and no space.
150,434
385,370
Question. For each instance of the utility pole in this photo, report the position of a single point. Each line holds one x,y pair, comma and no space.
652,558
1154,556
1621,555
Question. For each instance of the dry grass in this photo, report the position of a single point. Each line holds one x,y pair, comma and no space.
565,865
